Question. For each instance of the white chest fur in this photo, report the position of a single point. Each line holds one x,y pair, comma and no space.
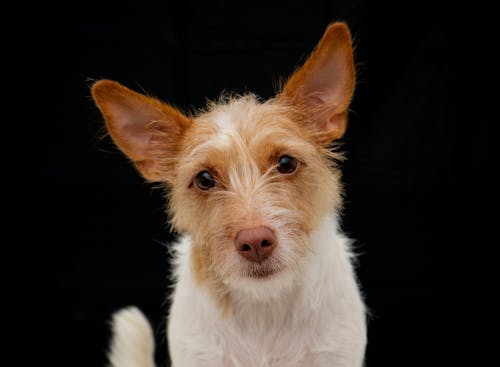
319,322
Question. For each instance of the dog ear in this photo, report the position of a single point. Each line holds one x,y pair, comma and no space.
322,88
146,130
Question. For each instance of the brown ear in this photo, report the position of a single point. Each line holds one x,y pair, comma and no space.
145,129
324,85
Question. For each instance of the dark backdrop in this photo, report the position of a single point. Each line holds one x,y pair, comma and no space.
418,175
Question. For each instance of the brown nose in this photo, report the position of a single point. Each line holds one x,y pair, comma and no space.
255,244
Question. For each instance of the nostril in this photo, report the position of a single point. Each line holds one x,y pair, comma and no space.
265,243
246,247
255,244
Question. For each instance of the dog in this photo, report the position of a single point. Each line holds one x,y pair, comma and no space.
263,274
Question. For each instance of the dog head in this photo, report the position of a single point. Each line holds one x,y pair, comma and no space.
248,180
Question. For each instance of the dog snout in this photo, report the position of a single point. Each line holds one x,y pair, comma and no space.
255,244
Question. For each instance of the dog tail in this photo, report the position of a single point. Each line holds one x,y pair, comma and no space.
132,344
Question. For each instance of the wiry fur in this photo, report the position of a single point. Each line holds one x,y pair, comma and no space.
301,306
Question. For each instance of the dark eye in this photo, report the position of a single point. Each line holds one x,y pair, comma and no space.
287,164
204,180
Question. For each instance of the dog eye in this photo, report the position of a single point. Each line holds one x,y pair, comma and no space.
287,164
204,180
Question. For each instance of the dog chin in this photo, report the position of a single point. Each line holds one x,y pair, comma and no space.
262,284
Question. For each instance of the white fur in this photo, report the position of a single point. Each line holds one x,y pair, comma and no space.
225,124
319,320
133,342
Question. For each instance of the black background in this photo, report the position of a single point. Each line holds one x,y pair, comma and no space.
418,176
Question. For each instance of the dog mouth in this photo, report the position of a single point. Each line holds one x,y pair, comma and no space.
262,272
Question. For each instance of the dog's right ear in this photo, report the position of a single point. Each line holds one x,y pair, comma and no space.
146,130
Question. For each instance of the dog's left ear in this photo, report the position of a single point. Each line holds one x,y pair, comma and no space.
322,88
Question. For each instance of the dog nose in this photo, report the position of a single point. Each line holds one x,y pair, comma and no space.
255,244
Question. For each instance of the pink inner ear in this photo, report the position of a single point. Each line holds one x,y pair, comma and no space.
131,123
330,81
328,118
335,125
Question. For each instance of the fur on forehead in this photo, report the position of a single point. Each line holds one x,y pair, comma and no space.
245,115
261,129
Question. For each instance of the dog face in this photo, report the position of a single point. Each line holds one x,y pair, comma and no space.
247,165
248,181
